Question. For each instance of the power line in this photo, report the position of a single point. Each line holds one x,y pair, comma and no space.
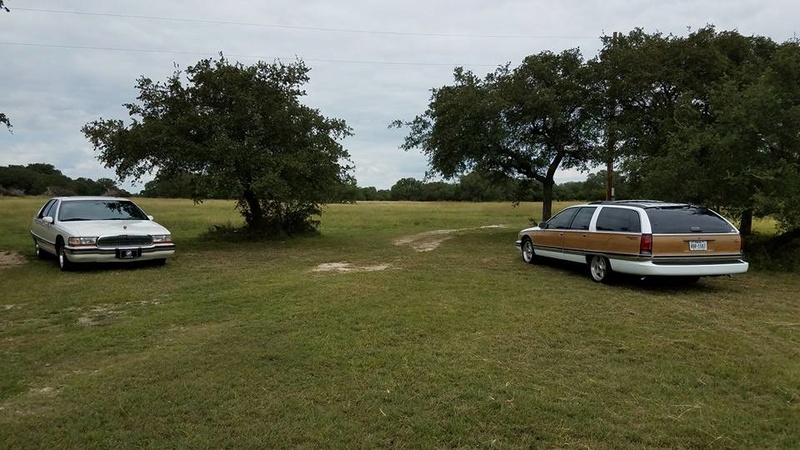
301,28
260,57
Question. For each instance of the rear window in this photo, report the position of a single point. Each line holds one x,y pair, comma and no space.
619,219
686,219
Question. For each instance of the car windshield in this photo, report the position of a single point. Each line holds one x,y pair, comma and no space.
75,210
686,219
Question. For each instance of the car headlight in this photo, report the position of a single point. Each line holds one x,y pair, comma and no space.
162,238
82,241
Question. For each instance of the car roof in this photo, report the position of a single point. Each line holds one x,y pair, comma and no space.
87,197
641,203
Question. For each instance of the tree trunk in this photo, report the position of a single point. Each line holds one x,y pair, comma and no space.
547,199
746,222
255,215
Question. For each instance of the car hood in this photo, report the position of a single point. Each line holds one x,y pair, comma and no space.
112,227
526,230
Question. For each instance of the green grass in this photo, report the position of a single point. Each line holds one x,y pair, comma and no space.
245,346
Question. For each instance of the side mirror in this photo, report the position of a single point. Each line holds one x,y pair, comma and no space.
47,219
150,217
543,225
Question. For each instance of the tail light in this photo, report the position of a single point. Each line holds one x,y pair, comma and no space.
646,244
741,244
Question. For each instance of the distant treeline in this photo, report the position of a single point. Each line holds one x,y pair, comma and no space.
44,179
473,187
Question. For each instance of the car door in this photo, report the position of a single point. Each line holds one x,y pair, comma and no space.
576,237
549,241
44,230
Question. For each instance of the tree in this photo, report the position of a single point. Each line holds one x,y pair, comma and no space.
708,118
4,120
524,123
407,189
243,129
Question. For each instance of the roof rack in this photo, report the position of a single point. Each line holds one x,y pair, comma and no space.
623,202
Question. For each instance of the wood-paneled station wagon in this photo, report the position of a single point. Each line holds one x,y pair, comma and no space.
638,237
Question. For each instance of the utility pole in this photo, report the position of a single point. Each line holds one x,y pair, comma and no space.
611,138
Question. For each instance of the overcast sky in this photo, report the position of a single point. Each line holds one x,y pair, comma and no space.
65,63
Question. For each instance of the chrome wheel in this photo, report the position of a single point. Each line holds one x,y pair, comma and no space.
600,269
37,251
528,254
63,262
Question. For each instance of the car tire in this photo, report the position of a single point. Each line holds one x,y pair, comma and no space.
63,261
37,251
528,253
600,269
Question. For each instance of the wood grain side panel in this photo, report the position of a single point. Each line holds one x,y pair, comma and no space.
678,244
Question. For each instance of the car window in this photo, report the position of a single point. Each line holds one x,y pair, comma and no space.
687,219
619,219
582,219
562,219
47,210
100,210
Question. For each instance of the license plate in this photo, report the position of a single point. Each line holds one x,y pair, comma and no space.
698,246
128,253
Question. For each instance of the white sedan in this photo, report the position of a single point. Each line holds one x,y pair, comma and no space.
98,229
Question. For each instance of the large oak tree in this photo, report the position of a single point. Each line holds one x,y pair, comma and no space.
710,118
524,123
240,129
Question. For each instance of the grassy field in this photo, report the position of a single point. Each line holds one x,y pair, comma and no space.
246,345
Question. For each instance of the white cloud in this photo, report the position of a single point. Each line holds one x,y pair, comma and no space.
61,70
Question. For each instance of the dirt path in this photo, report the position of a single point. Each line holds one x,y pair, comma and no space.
10,259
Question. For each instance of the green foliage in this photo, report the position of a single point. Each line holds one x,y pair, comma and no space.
4,120
774,252
524,123
472,187
238,129
711,118
45,179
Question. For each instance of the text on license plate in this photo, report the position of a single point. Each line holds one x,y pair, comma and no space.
695,246
128,253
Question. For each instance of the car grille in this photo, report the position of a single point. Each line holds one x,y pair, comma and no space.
124,241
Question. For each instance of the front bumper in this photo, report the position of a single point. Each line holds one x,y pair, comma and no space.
103,255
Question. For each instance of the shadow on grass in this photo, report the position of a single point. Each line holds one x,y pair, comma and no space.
230,233
580,273
106,266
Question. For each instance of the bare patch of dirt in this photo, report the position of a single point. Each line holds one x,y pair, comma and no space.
99,316
500,225
106,314
47,390
348,267
427,241
430,240
10,259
